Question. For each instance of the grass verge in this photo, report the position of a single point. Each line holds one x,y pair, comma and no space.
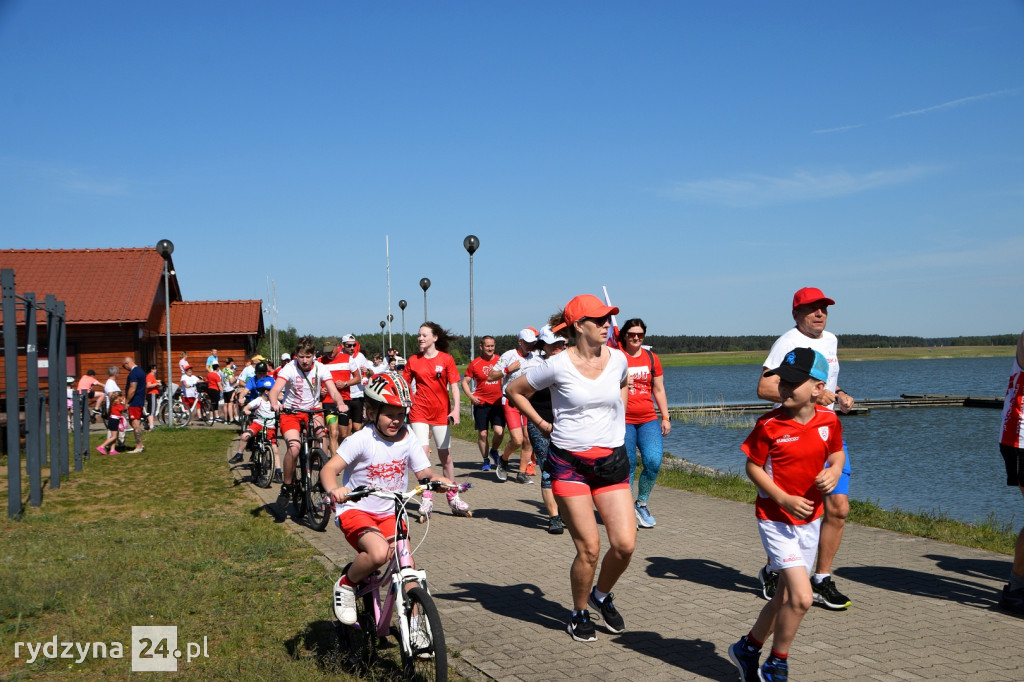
164,538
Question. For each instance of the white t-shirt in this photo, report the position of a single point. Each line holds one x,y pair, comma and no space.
827,345
372,461
262,411
188,385
358,363
248,372
588,412
302,390
506,359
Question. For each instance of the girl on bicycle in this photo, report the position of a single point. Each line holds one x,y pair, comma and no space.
378,457
265,418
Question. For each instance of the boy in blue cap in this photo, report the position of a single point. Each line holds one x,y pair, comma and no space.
794,456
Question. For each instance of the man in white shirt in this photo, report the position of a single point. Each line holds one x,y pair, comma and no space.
362,365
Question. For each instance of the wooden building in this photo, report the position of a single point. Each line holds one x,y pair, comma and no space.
115,307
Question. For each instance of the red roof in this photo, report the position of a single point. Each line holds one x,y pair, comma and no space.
214,317
76,276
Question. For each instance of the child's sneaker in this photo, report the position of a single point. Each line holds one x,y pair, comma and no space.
745,660
501,470
769,582
775,670
426,505
236,459
582,628
609,614
345,602
644,518
458,507
102,450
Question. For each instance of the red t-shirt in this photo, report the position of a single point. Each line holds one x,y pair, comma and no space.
213,380
117,409
341,370
431,401
793,454
151,379
640,406
488,392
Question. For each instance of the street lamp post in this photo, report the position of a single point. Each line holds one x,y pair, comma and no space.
165,248
402,304
383,352
424,284
471,244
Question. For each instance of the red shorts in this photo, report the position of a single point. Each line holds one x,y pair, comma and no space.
514,419
294,422
134,413
256,427
355,523
189,402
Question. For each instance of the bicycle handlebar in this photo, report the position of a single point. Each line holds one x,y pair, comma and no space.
363,491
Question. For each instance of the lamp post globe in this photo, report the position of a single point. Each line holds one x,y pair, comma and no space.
424,284
402,304
471,244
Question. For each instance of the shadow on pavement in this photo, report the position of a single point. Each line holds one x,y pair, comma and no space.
523,602
926,584
995,569
694,655
703,572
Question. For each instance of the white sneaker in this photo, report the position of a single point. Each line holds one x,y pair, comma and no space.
418,637
345,603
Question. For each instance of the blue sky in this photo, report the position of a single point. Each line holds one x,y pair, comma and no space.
703,160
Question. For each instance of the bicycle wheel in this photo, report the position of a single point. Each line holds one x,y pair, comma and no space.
429,657
319,514
208,414
264,464
182,415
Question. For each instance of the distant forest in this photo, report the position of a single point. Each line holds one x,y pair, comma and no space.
371,343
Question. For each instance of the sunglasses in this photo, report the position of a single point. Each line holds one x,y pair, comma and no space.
599,321
635,335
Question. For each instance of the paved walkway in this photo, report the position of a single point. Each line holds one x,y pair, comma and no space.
922,610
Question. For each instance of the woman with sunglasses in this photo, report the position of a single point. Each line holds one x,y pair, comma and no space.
586,458
434,404
643,427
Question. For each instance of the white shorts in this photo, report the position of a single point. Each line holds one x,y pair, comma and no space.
788,546
441,433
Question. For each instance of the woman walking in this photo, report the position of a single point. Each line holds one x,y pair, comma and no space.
434,404
587,460
643,427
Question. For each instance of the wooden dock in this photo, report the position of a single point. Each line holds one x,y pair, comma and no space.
861,407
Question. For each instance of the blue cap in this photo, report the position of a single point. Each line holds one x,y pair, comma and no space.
801,364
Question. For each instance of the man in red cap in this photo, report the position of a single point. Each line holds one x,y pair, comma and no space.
810,312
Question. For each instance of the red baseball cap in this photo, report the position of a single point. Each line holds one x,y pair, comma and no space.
584,305
810,295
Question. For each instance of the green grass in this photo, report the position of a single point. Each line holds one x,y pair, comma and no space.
164,538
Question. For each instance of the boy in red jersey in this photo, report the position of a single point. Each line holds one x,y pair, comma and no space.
794,455
486,399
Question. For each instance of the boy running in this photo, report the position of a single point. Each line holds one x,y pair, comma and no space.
794,455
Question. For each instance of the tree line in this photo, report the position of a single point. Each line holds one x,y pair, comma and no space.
371,343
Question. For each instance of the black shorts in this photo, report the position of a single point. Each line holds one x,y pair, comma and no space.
355,410
214,397
331,410
1013,458
488,413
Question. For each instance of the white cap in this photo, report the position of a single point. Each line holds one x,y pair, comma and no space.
348,338
548,336
285,356
529,335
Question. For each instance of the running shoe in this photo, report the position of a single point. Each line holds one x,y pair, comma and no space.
283,498
102,450
775,670
523,477
278,477
458,507
138,450
236,459
495,456
745,660
826,594
531,469
345,603
582,628
555,525
609,614
644,518
501,470
1012,600
486,466
769,582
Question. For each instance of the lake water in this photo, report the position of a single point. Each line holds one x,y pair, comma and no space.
918,459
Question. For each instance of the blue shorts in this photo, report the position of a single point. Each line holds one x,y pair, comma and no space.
488,413
843,486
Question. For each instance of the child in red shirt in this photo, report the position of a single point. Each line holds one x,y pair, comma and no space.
113,424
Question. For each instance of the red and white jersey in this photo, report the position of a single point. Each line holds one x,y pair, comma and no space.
489,392
431,401
507,358
372,461
793,454
302,390
1012,433
341,368
640,407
